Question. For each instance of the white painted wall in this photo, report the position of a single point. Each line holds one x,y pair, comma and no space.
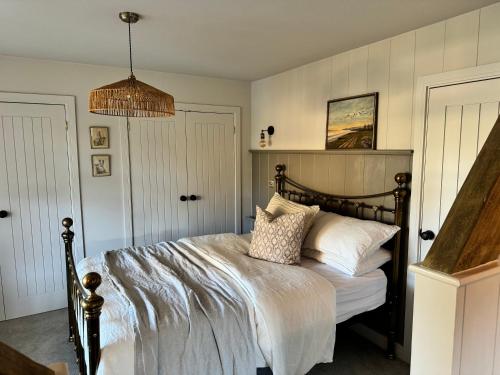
102,198
295,101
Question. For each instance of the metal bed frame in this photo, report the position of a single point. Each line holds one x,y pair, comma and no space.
356,206
85,305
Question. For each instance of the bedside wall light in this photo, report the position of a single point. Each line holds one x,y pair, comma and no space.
270,132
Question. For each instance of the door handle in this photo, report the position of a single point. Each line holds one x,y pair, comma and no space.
183,198
3,214
193,197
427,235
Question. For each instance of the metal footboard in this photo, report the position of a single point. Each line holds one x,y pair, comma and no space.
84,308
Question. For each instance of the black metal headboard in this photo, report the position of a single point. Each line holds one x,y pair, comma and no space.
357,206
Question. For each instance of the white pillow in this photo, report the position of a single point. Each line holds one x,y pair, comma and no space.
348,239
278,206
369,264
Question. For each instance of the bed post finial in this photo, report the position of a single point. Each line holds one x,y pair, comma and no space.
402,179
67,235
280,178
92,306
400,193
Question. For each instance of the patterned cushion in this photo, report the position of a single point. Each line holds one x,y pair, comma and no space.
279,206
277,239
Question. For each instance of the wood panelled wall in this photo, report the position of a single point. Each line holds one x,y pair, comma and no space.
295,101
352,173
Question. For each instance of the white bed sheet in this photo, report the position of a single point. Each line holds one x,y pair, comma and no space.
355,294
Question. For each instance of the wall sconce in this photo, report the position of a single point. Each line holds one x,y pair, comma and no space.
270,132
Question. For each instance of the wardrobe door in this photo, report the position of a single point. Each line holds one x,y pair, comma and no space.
211,173
158,179
35,193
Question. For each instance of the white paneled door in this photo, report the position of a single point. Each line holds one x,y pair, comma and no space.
459,119
35,194
158,178
211,171
183,176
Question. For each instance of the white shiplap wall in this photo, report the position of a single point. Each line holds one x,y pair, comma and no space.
295,101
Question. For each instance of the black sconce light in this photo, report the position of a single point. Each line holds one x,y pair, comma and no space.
270,132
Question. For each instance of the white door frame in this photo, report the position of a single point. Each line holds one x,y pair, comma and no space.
421,94
424,85
68,102
183,107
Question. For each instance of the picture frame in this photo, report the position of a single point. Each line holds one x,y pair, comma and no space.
101,165
351,122
99,137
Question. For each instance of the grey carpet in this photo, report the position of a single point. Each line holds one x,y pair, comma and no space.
43,337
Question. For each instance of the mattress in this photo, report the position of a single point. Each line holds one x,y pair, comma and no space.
355,294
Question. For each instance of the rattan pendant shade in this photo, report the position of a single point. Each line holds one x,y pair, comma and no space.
131,97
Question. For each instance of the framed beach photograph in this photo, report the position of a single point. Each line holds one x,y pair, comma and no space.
101,165
99,137
352,122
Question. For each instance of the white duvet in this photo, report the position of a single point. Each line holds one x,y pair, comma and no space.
292,309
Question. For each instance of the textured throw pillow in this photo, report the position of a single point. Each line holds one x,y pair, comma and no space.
369,264
278,206
277,239
348,241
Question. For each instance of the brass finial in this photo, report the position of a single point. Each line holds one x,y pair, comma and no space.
401,178
67,235
67,222
91,281
92,304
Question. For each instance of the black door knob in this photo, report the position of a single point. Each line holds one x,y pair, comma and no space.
193,197
184,198
427,235
3,214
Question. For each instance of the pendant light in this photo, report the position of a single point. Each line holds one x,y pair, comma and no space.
131,97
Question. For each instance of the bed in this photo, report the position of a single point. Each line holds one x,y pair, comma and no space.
332,297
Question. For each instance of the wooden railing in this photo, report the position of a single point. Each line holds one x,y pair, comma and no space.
84,308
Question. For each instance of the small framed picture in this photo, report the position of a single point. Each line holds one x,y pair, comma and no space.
99,137
352,122
101,165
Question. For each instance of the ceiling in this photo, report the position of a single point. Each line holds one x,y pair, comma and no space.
242,39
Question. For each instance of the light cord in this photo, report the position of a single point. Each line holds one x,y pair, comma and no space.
130,48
